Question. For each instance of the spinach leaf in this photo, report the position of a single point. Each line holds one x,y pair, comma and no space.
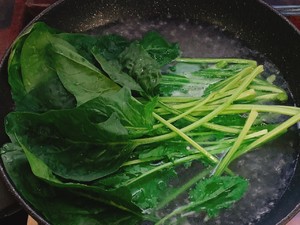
34,57
81,42
35,85
87,153
76,209
78,75
146,191
211,195
119,198
14,68
114,70
48,95
141,67
166,150
216,193
140,72
110,46
100,142
159,48
135,116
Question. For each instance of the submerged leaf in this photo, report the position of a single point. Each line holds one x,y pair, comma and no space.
146,191
216,193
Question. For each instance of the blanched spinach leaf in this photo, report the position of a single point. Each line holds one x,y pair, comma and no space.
35,85
141,67
87,153
146,191
166,150
35,58
159,48
14,69
78,75
48,95
99,144
216,193
63,204
135,67
211,195
114,70
110,46
81,42
135,116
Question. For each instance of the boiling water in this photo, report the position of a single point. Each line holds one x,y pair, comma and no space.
269,169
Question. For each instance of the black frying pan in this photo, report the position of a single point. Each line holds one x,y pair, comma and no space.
231,28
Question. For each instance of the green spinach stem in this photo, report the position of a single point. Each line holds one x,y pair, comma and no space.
225,161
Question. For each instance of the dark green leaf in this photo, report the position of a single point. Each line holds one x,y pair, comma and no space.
159,48
83,43
217,193
29,63
78,75
63,206
135,116
141,67
110,46
91,151
147,191
169,150
114,71
35,59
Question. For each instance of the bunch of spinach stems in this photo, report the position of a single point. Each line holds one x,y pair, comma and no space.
104,127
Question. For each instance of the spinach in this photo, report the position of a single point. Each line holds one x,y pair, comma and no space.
99,145
146,191
105,127
78,75
223,191
135,65
114,71
94,153
34,58
135,116
141,67
159,49
77,209
35,85
110,46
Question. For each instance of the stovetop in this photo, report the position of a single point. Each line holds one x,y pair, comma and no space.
14,15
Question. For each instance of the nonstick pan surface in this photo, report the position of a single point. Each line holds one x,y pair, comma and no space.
206,28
